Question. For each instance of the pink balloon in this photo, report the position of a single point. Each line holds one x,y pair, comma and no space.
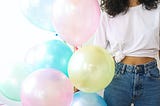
46,87
76,20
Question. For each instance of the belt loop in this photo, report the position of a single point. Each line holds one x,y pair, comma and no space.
135,69
123,69
145,69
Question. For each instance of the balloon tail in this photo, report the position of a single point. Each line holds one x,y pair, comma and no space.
76,48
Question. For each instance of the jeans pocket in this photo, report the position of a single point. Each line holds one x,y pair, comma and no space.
153,74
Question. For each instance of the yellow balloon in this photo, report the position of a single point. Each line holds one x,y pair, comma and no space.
91,69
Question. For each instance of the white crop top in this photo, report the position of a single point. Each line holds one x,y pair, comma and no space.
136,33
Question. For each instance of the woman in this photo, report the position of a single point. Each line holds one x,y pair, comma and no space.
130,31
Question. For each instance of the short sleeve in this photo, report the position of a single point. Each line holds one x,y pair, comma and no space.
100,37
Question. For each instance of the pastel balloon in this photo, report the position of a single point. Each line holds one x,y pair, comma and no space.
51,54
46,87
8,102
38,12
87,99
76,20
12,78
91,68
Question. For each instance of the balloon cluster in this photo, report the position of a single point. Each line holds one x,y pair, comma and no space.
51,69
41,79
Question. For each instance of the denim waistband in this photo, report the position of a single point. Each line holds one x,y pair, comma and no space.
142,68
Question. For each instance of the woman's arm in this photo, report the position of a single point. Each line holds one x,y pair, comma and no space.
100,36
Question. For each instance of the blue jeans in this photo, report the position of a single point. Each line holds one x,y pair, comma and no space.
138,84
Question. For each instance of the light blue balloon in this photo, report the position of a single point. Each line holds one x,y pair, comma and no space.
38,12
51,54
87,99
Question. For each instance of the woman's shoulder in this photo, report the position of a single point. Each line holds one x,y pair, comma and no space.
158,6
104,17
104,14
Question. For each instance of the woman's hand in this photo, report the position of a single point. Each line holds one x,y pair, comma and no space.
75,90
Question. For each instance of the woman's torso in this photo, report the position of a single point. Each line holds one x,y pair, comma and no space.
134,37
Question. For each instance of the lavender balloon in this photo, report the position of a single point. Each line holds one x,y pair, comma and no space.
46,87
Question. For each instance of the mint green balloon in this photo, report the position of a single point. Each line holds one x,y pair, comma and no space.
11,80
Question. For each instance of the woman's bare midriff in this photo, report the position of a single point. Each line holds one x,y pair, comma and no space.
136,60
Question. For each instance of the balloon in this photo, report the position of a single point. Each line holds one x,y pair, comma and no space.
76,20
11,80
91,69
51,54
47,87
8,102
87,99
38,12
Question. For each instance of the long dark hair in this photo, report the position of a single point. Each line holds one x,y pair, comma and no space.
114,7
